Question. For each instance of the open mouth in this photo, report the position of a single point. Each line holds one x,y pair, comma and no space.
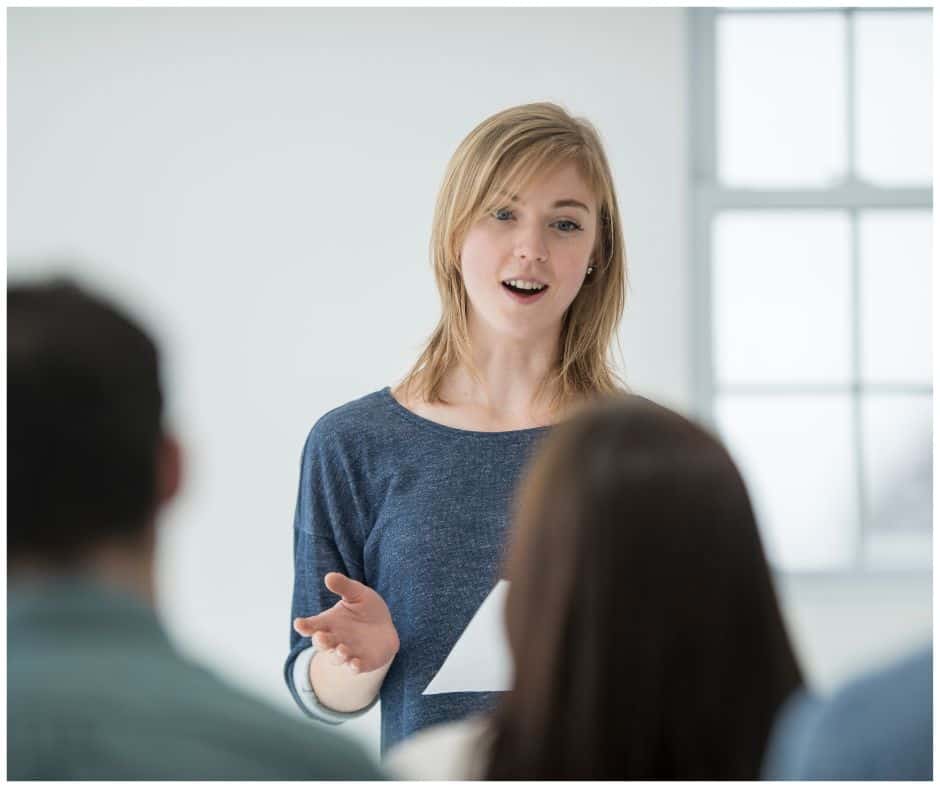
524,290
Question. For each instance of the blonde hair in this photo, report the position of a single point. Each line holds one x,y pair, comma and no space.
500,156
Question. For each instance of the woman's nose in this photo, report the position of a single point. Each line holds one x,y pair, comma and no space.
530,247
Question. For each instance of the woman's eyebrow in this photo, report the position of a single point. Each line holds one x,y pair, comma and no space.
571,204
567,203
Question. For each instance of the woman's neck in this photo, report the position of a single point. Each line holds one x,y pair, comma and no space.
128,566
505,394
462,413
510,373
504,399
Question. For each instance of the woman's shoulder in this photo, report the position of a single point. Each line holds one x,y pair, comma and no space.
451,751
355,414
344,428
374,427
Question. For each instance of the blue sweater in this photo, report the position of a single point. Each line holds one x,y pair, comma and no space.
417,511
877,727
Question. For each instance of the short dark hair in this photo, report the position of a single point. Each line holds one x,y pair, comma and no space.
84,410
642,619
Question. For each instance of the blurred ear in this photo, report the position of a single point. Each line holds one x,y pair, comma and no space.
169,469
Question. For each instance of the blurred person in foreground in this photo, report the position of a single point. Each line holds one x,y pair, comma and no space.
876,727
879,726
646,636
95,690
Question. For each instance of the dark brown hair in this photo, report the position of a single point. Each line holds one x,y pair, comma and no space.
84,408
644,627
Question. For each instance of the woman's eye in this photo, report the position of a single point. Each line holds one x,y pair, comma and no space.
502,214
567,226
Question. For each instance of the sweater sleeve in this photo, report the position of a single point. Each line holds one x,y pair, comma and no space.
329,529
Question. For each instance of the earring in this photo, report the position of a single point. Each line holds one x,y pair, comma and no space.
590,270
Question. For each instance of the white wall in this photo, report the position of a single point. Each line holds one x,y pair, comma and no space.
258,186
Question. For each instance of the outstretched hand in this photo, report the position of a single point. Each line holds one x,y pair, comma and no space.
357,631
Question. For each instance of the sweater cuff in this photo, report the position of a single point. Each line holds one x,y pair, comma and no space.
307,699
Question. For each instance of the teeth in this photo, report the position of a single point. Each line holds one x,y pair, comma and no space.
524,285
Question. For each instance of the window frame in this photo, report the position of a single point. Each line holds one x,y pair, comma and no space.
708,198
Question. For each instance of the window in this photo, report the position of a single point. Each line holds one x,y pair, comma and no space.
811,270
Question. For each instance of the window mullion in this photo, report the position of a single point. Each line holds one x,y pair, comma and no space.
848,196
850,78
703,147
858,434
858,428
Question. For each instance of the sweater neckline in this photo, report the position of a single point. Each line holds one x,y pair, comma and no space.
413,417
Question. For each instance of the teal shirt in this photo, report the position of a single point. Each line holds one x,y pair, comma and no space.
96,691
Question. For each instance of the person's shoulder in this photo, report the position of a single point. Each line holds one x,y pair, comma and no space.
351,423
449,751
302,746
318,750
178,718
900,691
909,677
876,726
792,735
355,414
897,697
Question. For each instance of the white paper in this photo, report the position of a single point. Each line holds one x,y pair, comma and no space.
479,661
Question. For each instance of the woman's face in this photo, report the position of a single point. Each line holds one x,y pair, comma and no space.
542,240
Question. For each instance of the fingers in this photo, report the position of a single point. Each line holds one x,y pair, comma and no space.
339,655
329,644
307,626
350,590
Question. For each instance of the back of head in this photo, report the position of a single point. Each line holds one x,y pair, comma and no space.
643,623
84,415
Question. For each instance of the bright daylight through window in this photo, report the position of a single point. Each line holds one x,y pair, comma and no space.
810,253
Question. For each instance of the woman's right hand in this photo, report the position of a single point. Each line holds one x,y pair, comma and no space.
357,631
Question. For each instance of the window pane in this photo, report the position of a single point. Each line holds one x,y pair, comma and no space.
893,98
895,296
898,459
782,297
781,99
899,550
795,454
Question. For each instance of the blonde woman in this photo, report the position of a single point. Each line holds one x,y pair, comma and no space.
403,502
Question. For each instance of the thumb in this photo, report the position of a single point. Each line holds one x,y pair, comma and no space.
307,626
350,590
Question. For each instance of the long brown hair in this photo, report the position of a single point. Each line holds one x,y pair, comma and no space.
645,631
501,155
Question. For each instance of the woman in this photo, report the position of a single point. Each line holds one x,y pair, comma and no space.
403,498
645,632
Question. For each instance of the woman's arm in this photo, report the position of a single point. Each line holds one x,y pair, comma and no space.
329,525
